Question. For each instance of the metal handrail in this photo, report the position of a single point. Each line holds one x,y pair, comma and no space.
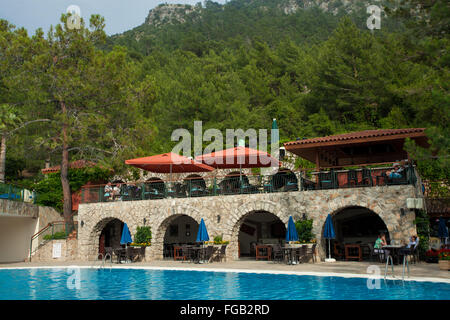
41,232
37,234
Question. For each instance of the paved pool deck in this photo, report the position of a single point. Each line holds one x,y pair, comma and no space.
420,271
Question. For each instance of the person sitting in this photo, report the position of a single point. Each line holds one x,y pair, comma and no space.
379,244
412,242
409,248
396,173
116,191
109,191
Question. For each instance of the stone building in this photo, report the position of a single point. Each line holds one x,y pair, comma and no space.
360,210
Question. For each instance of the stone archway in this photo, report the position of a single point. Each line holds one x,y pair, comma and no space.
350,210
235,221
94,236
163,222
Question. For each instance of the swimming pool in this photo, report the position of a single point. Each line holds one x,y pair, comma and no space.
150,284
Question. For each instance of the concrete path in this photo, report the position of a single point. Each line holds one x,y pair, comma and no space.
420,271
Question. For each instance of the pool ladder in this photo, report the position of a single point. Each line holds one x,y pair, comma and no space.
104,258
405,265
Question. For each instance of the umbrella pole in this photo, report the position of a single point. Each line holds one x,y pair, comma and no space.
170,177
330,259
240,177
329,249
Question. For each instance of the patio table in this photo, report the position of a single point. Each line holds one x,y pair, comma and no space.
393,251
288,253
199,253
120,253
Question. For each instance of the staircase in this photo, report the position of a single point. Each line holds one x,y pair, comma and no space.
49,230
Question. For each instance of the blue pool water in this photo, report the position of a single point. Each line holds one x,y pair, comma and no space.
136,284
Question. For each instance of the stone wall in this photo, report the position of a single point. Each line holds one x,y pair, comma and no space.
11,208
69,251
47,215
224,215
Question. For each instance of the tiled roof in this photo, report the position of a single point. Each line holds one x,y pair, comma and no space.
357,135
73,165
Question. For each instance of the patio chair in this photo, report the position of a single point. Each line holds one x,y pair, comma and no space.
307,184
291,186
411,252
121,254
130,254
178,253
185,252
222,253
366,177
311,252
373,253
382,176
338,251
248,188
352,176
300,253
404,179
268,186
210,253
327,180
278,255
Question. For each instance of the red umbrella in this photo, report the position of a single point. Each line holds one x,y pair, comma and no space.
169,163
238,157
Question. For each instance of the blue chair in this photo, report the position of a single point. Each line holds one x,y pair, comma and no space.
327,180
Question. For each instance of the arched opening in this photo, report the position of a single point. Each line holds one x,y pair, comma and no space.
110,236
154,188
259,228
284,180
195,186
356,228
181,230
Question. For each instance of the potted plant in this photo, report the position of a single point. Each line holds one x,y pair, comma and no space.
143,237
444,259
432,256
218,241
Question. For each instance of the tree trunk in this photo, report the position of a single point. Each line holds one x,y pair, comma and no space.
3,159
67,194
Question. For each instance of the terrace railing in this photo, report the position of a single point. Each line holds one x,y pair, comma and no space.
283,181
16,193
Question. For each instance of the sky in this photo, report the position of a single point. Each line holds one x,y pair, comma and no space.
120,15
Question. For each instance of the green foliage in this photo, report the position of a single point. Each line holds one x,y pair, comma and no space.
50,189
422,223
56,235
233,66
219,240
304,230
143,235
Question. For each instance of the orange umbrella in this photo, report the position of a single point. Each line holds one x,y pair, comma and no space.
169,163
238,157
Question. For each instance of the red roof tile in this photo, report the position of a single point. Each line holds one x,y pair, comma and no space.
357,135
78,164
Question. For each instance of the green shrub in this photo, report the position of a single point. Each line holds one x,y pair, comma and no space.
143,235
55,236
304,230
